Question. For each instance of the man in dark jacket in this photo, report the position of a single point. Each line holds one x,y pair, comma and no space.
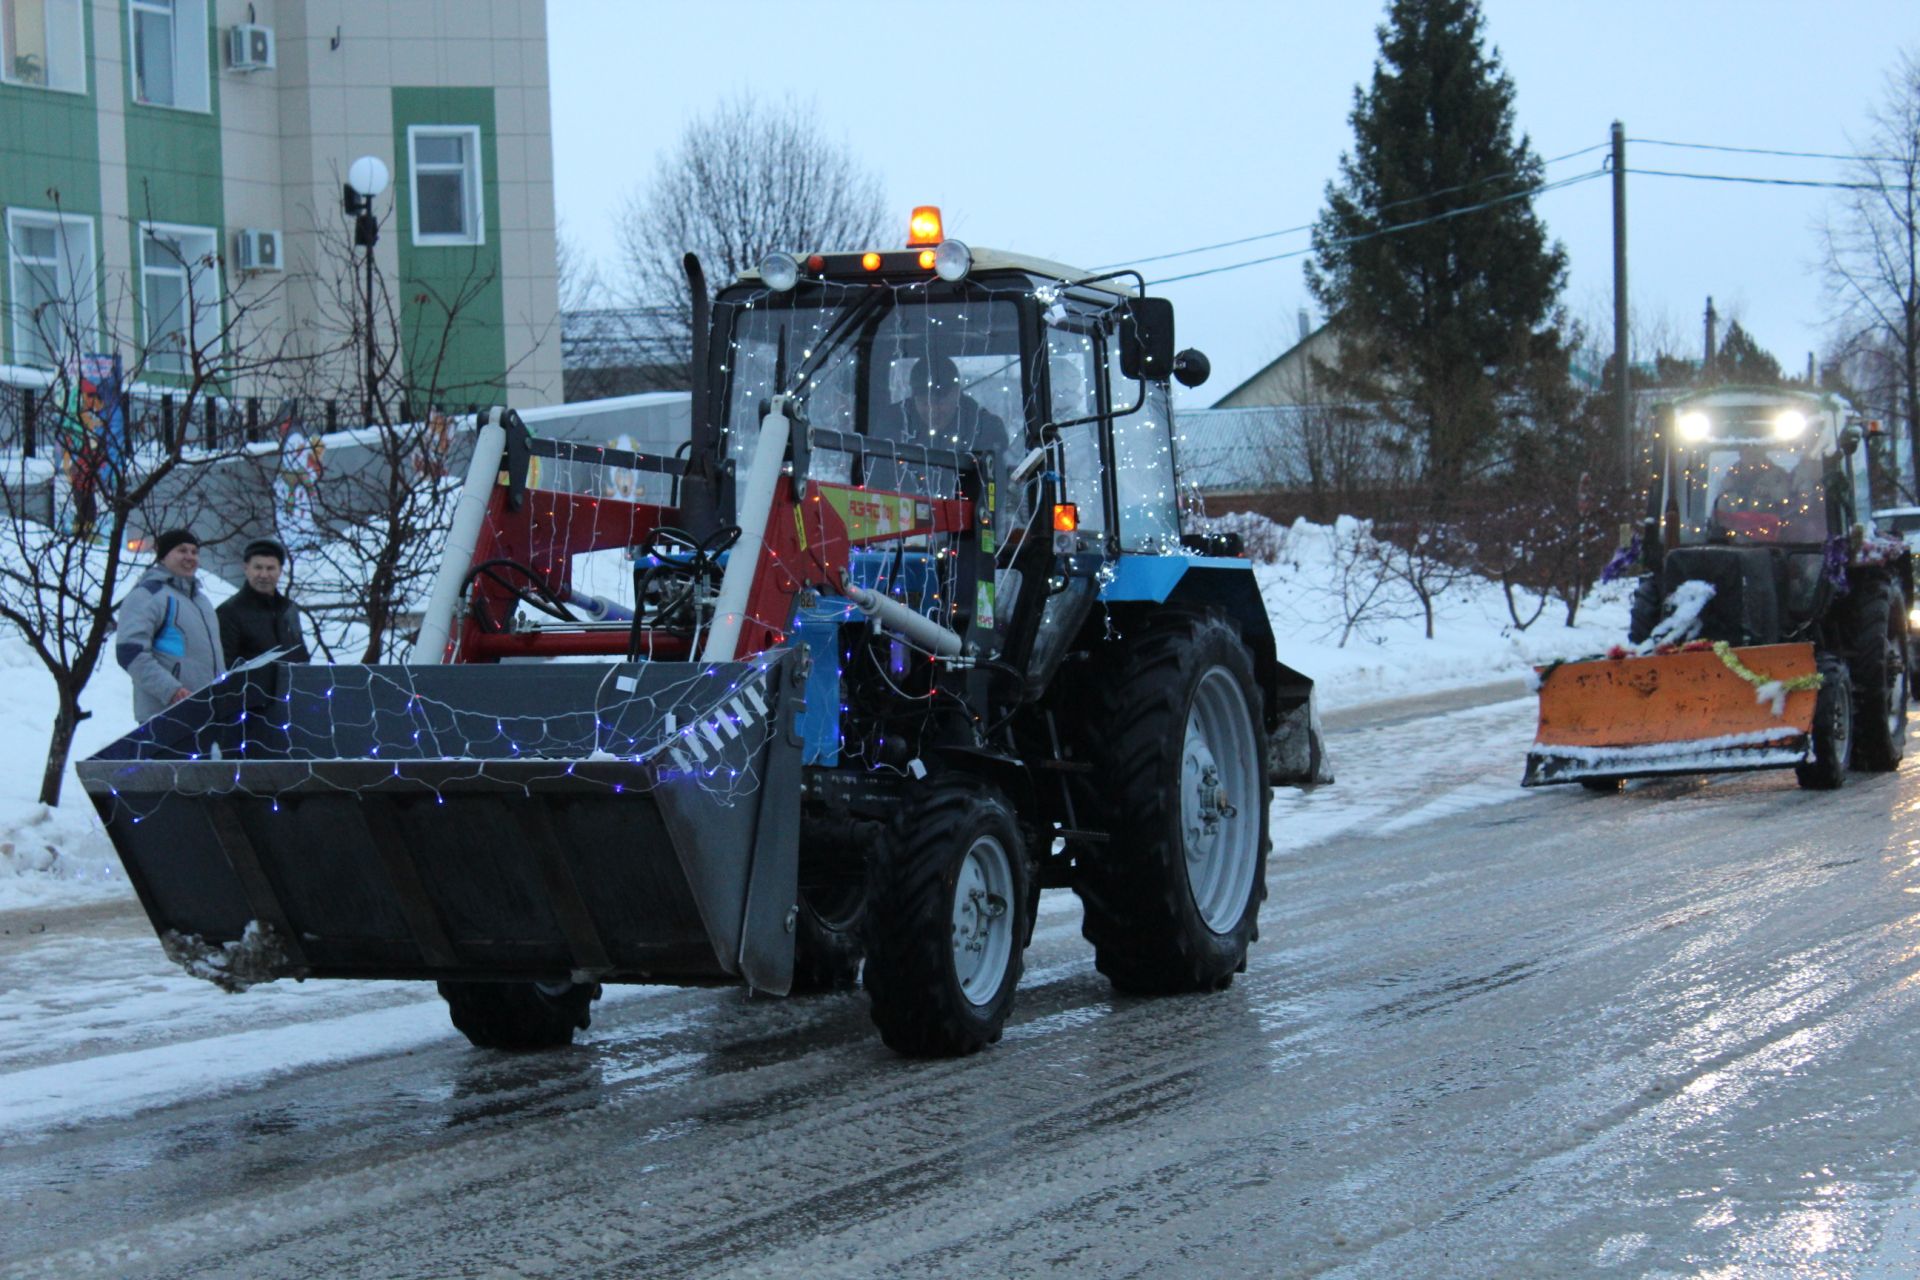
257,619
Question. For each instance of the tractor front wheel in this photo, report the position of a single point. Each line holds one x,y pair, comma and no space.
520,1015
1832,730
946,921
1877,664
1172,901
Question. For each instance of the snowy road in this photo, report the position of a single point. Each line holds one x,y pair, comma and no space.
1485,1033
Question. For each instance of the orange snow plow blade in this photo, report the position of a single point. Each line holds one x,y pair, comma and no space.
1689,712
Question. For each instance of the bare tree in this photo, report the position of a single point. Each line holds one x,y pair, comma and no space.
1356,584
1871,251
580,284
1337,455
113,463
1421,548
1547,524
745,180
365,512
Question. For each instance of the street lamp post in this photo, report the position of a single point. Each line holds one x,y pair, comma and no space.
366,179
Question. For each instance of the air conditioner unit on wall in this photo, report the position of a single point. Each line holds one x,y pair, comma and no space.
259,251
250,47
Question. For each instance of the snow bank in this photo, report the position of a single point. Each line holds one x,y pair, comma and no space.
58,856
1388,655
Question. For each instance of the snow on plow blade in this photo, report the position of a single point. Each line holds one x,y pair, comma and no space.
1687,712
621,822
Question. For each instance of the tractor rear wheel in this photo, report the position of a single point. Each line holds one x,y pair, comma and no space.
1832,729
520,1015
1877,664
946,921
1172,901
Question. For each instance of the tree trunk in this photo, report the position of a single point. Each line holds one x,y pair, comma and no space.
1513,606
65,721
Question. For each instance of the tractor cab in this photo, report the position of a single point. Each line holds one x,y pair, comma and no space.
911,376
1762,468
1758,484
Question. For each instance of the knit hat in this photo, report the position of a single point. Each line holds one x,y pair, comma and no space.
264,547
170,539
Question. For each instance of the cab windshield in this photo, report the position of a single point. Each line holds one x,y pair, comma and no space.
908,367
1751,493
939,373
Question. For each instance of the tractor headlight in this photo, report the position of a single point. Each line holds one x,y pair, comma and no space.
1790,425
1694,426
952,260
780,271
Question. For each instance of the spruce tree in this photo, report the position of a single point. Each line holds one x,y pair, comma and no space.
1742,360
1449,325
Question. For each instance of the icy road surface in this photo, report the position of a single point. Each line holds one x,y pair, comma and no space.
1484,1033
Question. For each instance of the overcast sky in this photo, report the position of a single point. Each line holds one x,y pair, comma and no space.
1094,133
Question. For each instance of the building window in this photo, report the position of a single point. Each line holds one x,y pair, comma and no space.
43,43
54,300
444,161
169,53
179,295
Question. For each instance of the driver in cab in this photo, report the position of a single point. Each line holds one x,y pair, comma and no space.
1755,498
940,413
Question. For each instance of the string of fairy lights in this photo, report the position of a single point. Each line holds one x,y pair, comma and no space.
707,726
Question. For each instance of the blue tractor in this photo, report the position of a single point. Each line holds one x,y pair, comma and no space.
907,633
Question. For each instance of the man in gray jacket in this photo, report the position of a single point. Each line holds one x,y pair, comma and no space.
169,636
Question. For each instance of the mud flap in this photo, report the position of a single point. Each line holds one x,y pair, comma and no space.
1297,747
585,821
1686,712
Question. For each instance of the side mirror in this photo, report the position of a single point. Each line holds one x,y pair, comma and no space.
1192,368
1850,437
1146,339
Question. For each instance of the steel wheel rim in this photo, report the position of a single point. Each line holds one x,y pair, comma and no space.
983,920
1219,793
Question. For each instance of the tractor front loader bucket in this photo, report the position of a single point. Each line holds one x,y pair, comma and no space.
599,821
1694,711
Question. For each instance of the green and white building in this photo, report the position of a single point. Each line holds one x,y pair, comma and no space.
156,150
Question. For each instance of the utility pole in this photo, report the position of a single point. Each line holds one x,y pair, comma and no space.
1713,343
1623,378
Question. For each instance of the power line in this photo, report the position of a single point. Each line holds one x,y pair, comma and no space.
1770,182
1761,151
1395,229
1308,226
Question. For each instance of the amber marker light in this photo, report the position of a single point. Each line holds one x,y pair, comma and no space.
1066,517
926,259
924,227
870,260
